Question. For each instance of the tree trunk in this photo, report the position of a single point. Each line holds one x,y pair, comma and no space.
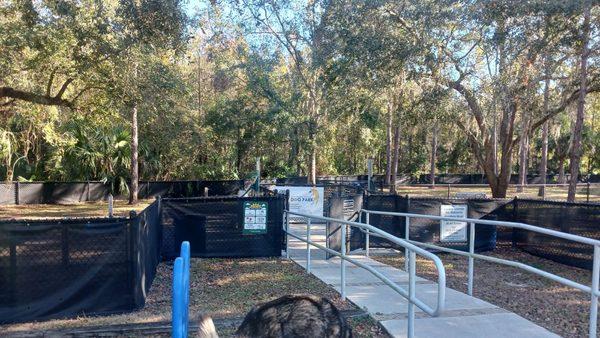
561,171
395,158
388,147
312,137
544,160
523,155
133,189
576,139
313,165
433,156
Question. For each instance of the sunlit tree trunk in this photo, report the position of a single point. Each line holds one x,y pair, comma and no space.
388,147
576,136
544,160
395,158
133,189
434,141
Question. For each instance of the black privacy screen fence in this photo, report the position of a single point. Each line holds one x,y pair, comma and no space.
58,268
64,268
215,227
574,218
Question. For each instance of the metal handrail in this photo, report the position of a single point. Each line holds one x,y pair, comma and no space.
411,250
592,290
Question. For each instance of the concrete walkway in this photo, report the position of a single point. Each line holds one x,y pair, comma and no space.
465,316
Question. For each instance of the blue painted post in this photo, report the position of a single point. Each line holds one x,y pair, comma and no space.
185,254
177,308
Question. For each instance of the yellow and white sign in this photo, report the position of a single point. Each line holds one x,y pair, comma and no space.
305,200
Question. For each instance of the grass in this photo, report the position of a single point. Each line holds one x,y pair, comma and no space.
221,288
87,209
552,193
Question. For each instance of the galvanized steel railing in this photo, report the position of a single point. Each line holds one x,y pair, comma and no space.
592,290
411,250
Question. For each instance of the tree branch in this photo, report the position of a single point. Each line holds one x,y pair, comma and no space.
35,98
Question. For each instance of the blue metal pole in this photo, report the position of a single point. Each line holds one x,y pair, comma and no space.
185,254
177,308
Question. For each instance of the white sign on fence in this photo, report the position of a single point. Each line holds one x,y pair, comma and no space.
453,231
305,200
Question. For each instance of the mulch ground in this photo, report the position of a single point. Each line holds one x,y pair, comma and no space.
222,288
560,309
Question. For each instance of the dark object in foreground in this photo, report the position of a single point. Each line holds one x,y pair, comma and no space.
288,316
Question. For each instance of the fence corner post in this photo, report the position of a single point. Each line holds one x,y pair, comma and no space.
17,192
588,192
110,206
87,196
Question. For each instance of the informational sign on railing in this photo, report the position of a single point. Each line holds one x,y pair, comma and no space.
304,200
255,218
453,231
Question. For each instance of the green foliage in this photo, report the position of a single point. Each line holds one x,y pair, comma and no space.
275,79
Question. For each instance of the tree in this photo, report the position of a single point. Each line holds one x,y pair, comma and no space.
577,128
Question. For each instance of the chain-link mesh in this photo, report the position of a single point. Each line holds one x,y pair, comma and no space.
7,193
60,268
427,230
51,268
214,226
573,218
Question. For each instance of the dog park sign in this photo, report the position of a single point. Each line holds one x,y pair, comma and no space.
255,218
453,231
304,200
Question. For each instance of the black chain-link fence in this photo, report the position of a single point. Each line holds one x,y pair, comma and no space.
575,218
426,230
214,227
73,192
61,268
580,219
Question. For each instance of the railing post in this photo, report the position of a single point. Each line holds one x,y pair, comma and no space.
177,310
185,254
367,235
406,236
471,260
343,262
308,245
411,293
287,238
594,300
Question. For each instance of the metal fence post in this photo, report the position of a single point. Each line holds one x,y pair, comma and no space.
177,310
406,236
185,253
594,300
343,262
588,192
308,245
87,196
448,190
411,293
367,235
287,242
471,260
110,206
17,192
